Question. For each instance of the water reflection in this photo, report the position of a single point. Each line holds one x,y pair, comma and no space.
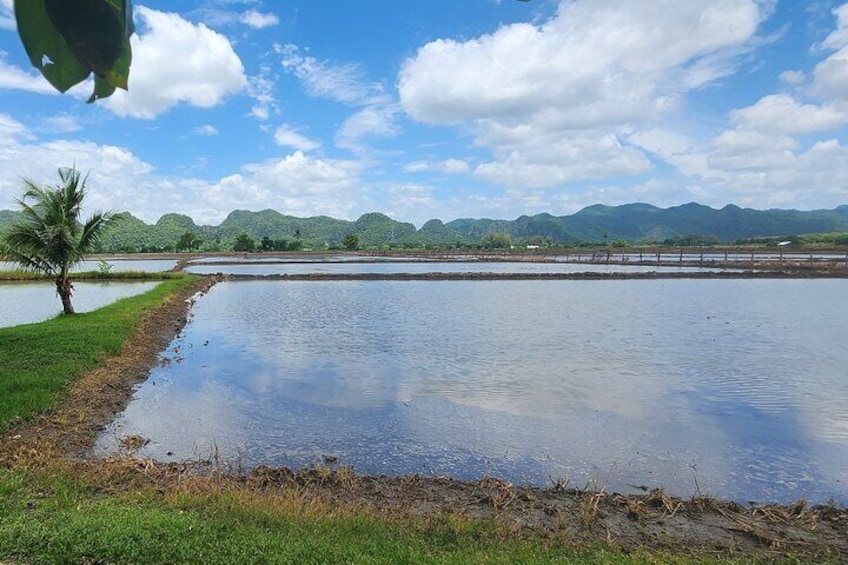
26,303
735,388
123,265
115,265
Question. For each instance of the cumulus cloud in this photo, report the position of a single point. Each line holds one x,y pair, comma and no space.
555,101
258,20
11,130
287,136
120,180
448,166
15,78
839,37
591,53
830,77
781,113
174,62
563,161
768,156
7,16
372,121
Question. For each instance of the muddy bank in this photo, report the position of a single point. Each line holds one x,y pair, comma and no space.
585,276
95,399
64,438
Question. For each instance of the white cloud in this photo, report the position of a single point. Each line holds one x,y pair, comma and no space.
562,161
781,113
207,130
261,88
553,101
342,83
11,130
14,78
455,167
258,20
294,184
839,37
287,136
448,166
175,61
831,75
793,78
741,150
61,124
7,15
598,53
371,121
662,142
119,180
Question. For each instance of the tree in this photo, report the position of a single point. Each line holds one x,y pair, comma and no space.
244,243
267,244
67,40
188,242
351,242
48,238
497,240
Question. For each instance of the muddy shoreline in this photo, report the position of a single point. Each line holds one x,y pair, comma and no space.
699,525
585,276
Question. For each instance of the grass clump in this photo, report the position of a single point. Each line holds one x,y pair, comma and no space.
39,360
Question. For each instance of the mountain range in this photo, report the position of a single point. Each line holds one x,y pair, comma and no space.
598,223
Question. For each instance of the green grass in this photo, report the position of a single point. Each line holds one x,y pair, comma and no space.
61,520
39,360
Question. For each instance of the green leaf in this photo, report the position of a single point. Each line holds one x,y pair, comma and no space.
93,30
102,89
78,37
41,39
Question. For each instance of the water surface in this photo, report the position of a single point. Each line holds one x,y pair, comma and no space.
735,389
116,265
124,265
29,302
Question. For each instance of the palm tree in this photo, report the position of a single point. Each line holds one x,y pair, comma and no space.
48,237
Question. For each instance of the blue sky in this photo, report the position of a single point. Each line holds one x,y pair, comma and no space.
447,109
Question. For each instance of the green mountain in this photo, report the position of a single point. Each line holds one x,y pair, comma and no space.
632,222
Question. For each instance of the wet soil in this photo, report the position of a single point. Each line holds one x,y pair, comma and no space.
64,439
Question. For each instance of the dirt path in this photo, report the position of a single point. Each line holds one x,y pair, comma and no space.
701,525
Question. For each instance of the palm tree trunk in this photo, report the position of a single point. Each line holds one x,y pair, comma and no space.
65,289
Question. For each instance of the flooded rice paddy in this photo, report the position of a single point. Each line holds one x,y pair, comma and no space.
737,389
30,302
115,265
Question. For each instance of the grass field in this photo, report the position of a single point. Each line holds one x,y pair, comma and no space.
39,360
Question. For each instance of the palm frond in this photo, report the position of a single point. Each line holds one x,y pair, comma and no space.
48,236
94,229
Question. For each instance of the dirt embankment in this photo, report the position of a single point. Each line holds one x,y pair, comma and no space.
64,438
585,276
